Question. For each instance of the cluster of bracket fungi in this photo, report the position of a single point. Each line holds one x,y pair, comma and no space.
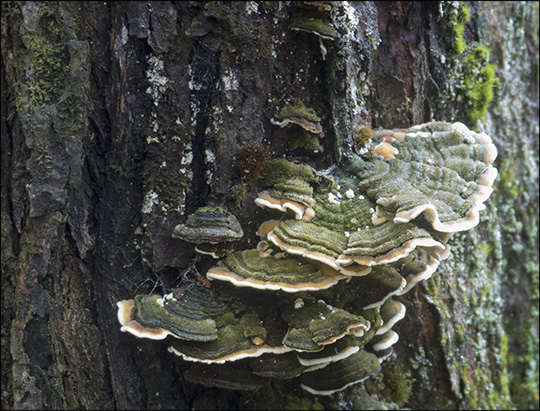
314,299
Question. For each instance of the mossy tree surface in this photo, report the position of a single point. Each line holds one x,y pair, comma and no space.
120,119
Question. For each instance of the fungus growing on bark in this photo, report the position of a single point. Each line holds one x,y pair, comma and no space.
157,317
315,298
391,312
317,323
290,187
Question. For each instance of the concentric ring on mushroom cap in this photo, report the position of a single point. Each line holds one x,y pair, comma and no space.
254,351
281,204
154,317
291,274
338,251
314,323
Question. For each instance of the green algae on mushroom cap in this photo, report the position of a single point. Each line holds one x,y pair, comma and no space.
343,347
341,229
247,329
369,246
129,324
289,187
231,345
283,201
314,323
209,225
369,291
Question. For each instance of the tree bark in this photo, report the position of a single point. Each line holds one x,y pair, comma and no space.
119,119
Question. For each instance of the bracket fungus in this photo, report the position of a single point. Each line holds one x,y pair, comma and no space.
315,299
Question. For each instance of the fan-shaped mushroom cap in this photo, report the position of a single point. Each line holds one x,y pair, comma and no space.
417,266
156,317
391,312
441,170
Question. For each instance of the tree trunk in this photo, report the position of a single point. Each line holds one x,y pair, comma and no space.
119,119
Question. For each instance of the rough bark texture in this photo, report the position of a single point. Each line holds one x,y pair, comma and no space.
121,118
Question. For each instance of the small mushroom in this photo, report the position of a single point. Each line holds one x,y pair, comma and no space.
298,113
417,266
209,225
391,312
